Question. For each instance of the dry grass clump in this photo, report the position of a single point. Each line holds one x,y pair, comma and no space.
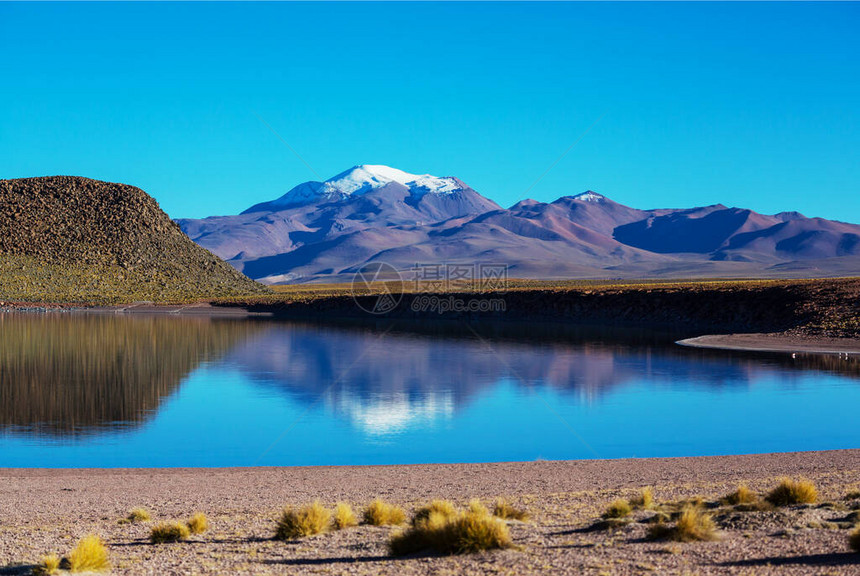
379,513
743,495
475,532
790,492
505,511
198,524
90,555
138,515
344,517
618,509
307,521
854,539
693,524
49,565
461,533
477,507
645,500
169,532
424,534
442,507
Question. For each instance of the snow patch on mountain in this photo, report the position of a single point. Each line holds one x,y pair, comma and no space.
362,179
589,196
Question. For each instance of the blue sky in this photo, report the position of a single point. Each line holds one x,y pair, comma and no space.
753,105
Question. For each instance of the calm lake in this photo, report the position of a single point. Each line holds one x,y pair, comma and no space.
113,391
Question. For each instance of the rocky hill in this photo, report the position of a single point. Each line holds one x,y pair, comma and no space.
72,239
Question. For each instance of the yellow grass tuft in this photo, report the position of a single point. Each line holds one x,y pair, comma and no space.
475,532
379,513
138,515
854,539
790,492
442,507
645,500
90,555
743,495
693,524
505,511
344,517
458,534
198,523
618,509
307,521
169,532
477,507
424,534
49,565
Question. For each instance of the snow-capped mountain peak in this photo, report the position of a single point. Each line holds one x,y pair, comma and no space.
589,196
361,179
366,177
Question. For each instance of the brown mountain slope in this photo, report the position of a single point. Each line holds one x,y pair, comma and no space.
65,238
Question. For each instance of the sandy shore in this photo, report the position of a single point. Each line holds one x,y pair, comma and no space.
45,511
787,343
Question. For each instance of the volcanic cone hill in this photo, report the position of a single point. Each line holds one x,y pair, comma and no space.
72,239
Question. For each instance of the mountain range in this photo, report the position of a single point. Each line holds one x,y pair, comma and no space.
326,231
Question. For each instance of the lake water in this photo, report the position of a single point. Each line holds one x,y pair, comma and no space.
108,391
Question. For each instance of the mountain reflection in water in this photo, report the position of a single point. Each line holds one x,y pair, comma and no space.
102,390
384,379
69,374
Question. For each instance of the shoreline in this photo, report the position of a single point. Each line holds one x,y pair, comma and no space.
755,461
45,510
708,462
778,343
200,309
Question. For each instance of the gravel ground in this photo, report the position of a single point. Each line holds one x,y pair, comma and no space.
44,511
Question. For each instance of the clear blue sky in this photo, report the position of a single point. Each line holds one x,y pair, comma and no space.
753,105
